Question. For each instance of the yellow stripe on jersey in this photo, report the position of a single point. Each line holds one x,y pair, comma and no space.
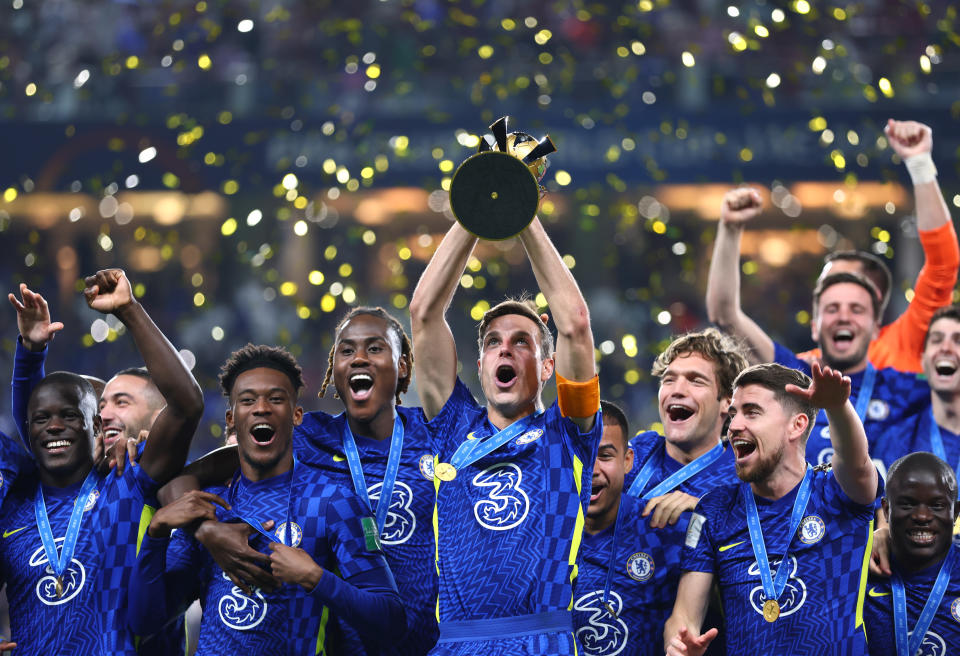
322,631
146,515
578,527
436,526
864,571
956,526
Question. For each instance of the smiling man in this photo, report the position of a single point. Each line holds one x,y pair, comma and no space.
789,544
129,402
512,479
70,537
916,609
845,318
669,474
322,543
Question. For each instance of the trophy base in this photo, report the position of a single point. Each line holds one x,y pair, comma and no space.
494,195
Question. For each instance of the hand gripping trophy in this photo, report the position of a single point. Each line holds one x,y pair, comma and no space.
495,193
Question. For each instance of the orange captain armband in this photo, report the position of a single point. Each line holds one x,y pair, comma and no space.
578,399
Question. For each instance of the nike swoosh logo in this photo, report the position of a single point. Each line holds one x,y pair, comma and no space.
338,458
470,436
873,593
731,546
7,534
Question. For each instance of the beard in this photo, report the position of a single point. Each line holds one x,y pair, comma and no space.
763,469
842,364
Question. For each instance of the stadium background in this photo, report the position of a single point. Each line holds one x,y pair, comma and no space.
259,167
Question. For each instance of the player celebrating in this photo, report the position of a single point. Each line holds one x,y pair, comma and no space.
129,402
512,479
374,446
789,545
916,610
319,527
67,594
696,373
846,313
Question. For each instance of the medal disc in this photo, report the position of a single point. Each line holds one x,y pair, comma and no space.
59,587
771,610
446,472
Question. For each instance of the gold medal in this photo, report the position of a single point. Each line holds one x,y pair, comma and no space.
59,587
446,472
771,610
610,610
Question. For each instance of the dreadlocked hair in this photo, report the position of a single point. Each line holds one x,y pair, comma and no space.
406,351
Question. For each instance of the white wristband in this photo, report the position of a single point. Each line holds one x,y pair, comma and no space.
921,168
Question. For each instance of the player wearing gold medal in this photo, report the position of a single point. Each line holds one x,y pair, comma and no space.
789,545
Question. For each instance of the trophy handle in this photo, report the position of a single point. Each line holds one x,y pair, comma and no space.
544,147
499,129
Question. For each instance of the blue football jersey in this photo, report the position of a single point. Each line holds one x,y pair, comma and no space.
90,616
321,517
407,535
509,526
821,605
647,565
943,636
896,405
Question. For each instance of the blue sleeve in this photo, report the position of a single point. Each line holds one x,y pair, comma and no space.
163,582
450,418
369,602
697,548
786,357
27,372
366,597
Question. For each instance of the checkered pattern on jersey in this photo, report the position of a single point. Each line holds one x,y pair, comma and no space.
820,612
408,534
898,402
288,620
647,565
943,636
508,523
554,644
90,617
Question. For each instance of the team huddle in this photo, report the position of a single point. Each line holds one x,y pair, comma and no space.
793,504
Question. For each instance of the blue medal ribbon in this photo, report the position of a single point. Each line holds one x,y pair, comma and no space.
257,525
610,566
470,451
59,565
675,479
864,396
389,477
907,647
936,439
773,588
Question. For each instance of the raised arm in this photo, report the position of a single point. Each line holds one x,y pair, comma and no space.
913,142
36,331
852,466
681,633
434,348
169,441
723,282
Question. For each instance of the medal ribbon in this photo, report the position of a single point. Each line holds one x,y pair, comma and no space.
864,395
936,439
675,479
907,647
389,477
258,526
59,565
772,588
472,450
613,559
